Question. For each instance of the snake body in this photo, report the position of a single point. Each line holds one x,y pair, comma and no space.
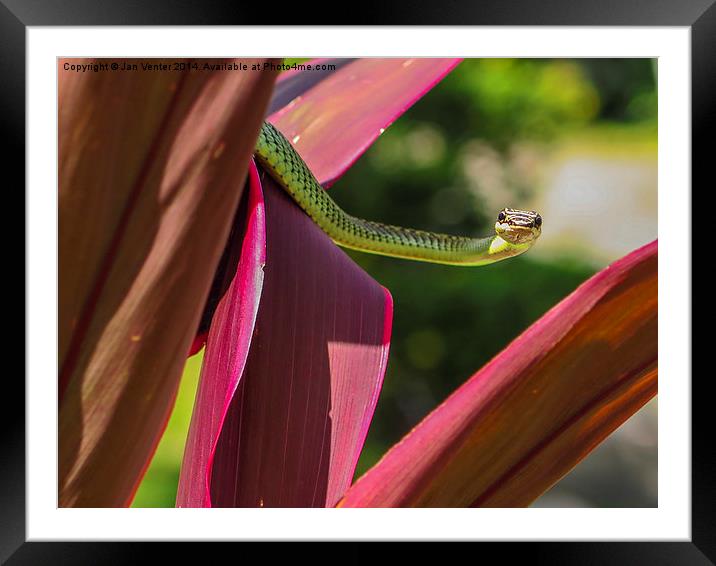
515,230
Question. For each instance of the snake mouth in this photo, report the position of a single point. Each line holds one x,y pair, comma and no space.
515,234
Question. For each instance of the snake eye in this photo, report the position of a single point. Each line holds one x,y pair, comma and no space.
501,217
538,221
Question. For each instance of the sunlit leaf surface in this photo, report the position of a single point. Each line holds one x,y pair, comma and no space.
334,122
151,168
526,418
293,83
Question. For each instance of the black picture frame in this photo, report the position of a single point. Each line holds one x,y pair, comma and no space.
699,15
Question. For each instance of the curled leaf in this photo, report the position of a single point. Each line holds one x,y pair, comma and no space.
281,422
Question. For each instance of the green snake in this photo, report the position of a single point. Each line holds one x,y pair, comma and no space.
515,230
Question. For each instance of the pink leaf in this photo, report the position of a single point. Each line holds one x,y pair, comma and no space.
293,83
294,429
527,417
333,123
229,339
151,168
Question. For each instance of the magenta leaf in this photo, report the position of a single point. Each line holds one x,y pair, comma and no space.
224,360
333,123
291,84
539,407
292,432
151,168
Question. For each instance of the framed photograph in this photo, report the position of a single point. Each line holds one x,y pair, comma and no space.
359,282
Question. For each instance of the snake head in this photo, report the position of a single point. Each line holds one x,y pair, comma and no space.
518,226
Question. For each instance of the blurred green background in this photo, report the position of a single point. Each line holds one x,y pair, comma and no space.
573,139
